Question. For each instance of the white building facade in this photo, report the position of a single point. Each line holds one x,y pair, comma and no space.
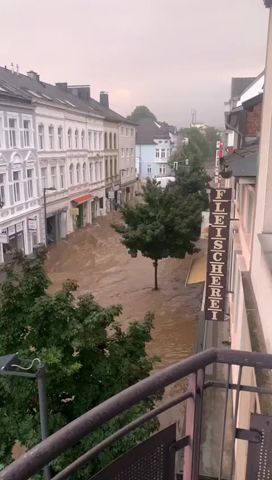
20,213
127,159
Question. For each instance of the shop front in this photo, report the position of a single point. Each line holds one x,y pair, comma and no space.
56,226
81,211
19,236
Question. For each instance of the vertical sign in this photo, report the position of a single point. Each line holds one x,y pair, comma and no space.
220,205
218,155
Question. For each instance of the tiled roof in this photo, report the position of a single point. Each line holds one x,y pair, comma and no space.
39,91
148,130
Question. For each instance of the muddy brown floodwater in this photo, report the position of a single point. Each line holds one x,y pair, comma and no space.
95,258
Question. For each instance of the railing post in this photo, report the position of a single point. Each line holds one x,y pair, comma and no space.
193,426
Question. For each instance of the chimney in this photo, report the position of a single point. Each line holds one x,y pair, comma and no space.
33,75
62,85
104,99
81,91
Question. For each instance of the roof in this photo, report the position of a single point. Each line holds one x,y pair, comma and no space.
253,90
108,113
149,130
38,91
239,84
243,162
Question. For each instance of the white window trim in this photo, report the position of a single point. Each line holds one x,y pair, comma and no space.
2,133
31,130
18,139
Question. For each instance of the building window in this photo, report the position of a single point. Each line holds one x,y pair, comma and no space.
82,139
70,138
122,130
95,140
2,187
71,174
122,152
131,131
115,165
29,175
149,169
127,152
12,123
127,130
84,172
157,153
91,172
78,173
105,141
163,153
106,167
97,171
62,179
110,141
175,165
162,170
76,138
54,177
51,137
111,167
60,138
41,137
90,139
131,152
114,141
16,186
100,141
44,177
26,133
101,170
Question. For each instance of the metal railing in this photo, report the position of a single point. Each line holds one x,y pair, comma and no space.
195,369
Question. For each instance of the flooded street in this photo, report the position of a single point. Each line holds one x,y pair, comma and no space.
95,258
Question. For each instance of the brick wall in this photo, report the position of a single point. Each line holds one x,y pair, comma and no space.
253,121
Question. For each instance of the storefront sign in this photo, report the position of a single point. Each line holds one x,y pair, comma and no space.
32,224
3,238
111,194
220,205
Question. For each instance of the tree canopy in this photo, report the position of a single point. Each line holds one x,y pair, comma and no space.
140,112
89,358
167,222
199,148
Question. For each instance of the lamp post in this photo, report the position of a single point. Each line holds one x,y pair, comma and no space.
11,365
45,189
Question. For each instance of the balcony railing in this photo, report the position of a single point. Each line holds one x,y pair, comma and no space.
155,458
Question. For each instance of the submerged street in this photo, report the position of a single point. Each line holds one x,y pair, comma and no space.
95,258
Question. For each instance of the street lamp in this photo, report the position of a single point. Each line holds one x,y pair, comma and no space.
12,365
45,189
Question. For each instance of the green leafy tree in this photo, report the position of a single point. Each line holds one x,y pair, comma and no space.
89,358
166,224
140,112
199,149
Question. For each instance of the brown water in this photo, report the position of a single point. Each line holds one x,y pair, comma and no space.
95,257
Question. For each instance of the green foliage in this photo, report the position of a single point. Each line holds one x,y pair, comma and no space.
167,222
89,358
200,149
140,112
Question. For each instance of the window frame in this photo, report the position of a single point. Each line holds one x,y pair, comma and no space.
41,144
51,136
30,183
60,137
15,184
13,130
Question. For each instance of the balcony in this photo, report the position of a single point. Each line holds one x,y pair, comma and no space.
172,452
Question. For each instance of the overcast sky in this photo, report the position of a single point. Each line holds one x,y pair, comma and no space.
171,55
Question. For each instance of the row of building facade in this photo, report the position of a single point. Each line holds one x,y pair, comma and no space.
65,159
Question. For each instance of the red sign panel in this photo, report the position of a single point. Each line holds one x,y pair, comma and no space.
218,242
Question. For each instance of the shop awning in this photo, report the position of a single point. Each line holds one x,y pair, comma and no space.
83,199
197,272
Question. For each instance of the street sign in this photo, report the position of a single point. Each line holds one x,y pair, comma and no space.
3,238
32,224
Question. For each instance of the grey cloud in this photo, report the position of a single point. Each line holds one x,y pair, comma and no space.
169,54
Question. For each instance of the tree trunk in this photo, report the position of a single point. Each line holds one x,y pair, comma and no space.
155,264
